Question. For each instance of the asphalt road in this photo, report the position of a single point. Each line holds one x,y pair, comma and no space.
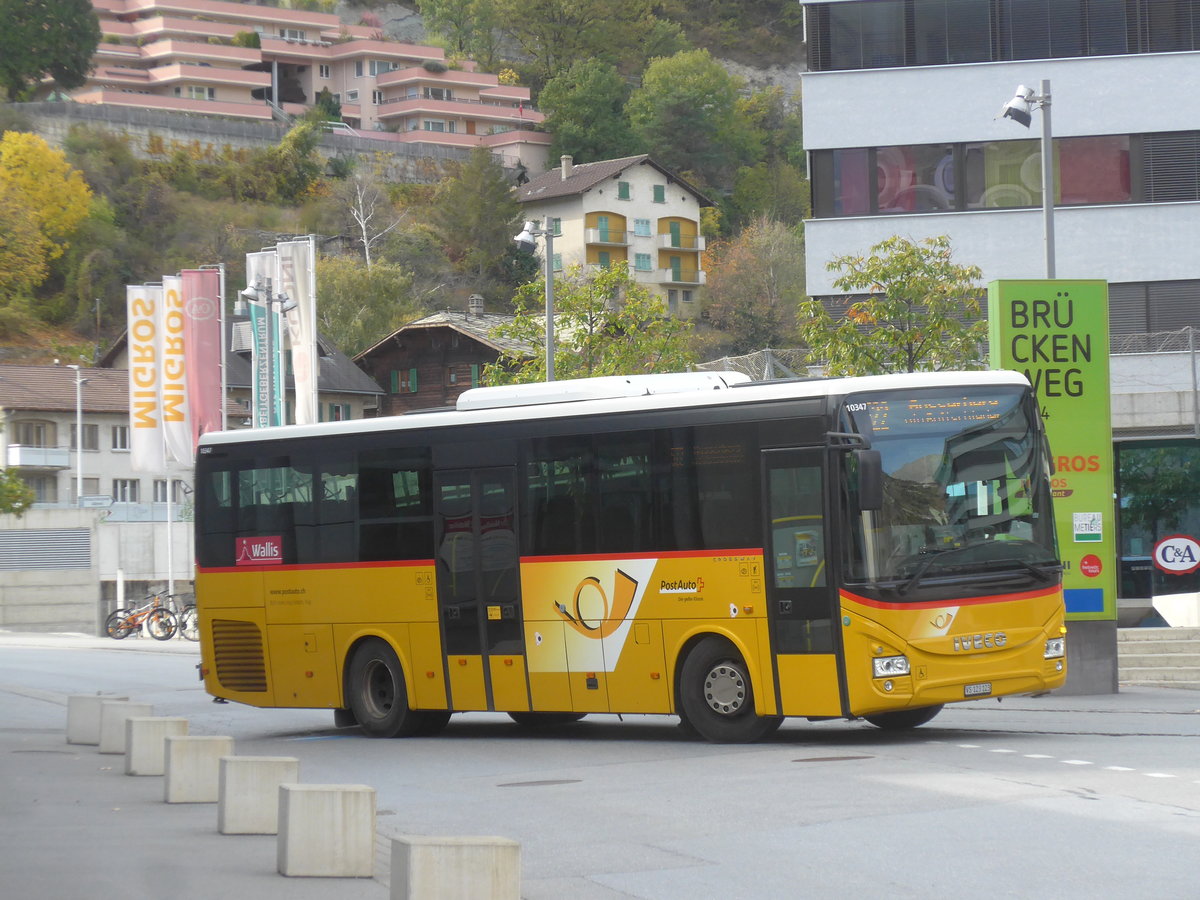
1059,796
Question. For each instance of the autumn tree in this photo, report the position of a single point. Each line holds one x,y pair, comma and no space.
585,111
755,286
40,38
605,323
910,308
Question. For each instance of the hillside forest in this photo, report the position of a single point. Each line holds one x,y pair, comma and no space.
614,79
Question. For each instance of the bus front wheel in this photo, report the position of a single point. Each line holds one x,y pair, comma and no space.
716,700
903,719
377,695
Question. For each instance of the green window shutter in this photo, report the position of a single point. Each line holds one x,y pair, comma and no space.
660,193
474,374
412,381
622,190
395,385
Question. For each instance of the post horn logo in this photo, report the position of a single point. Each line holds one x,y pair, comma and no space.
591,613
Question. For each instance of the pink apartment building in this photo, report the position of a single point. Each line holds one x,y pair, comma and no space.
179,55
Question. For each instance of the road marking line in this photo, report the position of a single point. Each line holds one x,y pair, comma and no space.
969,746
1120,769
1158,775
1002,751
1076,762
1038,756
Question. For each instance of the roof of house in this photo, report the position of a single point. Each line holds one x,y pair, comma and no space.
339,374
477,326
585,176
52,389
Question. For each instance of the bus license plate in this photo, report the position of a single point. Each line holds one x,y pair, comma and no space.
983,689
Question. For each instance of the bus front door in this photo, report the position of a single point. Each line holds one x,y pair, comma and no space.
479,601
800,598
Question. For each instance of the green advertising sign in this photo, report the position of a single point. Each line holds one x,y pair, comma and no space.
1056,333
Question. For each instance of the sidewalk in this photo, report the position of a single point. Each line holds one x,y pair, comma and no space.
70,640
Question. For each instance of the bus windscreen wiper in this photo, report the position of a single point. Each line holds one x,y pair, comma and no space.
915,578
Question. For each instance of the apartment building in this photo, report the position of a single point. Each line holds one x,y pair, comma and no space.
187,56
901,124
628,210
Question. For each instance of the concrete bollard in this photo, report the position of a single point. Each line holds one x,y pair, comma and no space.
145,743
83,717
113,714
326,830
455,868
193,766
248,792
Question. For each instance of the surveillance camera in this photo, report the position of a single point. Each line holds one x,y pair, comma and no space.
1019,108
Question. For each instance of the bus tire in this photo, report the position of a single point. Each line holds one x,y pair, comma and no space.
716,700
545,719
903,719
376,693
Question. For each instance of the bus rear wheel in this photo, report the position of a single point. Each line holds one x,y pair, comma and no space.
376,693
716,700
903,719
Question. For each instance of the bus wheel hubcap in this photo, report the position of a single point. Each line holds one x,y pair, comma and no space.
725,689
380,691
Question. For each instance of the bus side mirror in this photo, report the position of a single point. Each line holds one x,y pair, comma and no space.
870,479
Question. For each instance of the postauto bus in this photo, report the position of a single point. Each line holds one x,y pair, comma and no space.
696,545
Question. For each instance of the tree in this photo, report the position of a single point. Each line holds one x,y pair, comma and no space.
46,37
755,286
685,115
475,214
358,305
364,196
915,316
40,178
15,495
775,190
585,111
605,323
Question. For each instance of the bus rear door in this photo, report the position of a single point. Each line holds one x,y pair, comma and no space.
478,587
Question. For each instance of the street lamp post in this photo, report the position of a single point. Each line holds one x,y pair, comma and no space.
526,241
80,381
1019,109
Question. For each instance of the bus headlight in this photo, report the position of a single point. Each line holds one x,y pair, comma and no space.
887,666
1056,648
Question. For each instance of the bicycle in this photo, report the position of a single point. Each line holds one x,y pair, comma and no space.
158,619
184,607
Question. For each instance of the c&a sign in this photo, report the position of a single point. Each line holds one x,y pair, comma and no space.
1177,554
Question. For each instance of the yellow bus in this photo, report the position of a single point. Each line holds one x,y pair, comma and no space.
697,545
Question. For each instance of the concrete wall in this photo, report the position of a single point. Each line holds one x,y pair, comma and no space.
77,600
419,163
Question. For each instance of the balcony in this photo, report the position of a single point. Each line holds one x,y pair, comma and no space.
608,236
681,242
684,276
22,457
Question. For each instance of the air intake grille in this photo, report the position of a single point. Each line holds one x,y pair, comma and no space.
237,648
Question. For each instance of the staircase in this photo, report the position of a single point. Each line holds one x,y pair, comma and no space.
1159,657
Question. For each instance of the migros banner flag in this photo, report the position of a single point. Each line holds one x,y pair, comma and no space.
172,380
296,279
144,310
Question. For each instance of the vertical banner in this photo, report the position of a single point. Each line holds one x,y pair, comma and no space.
297,275
1056,332
202,342
268,373
172,382
143,304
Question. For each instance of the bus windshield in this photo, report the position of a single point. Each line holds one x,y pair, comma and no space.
965,490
